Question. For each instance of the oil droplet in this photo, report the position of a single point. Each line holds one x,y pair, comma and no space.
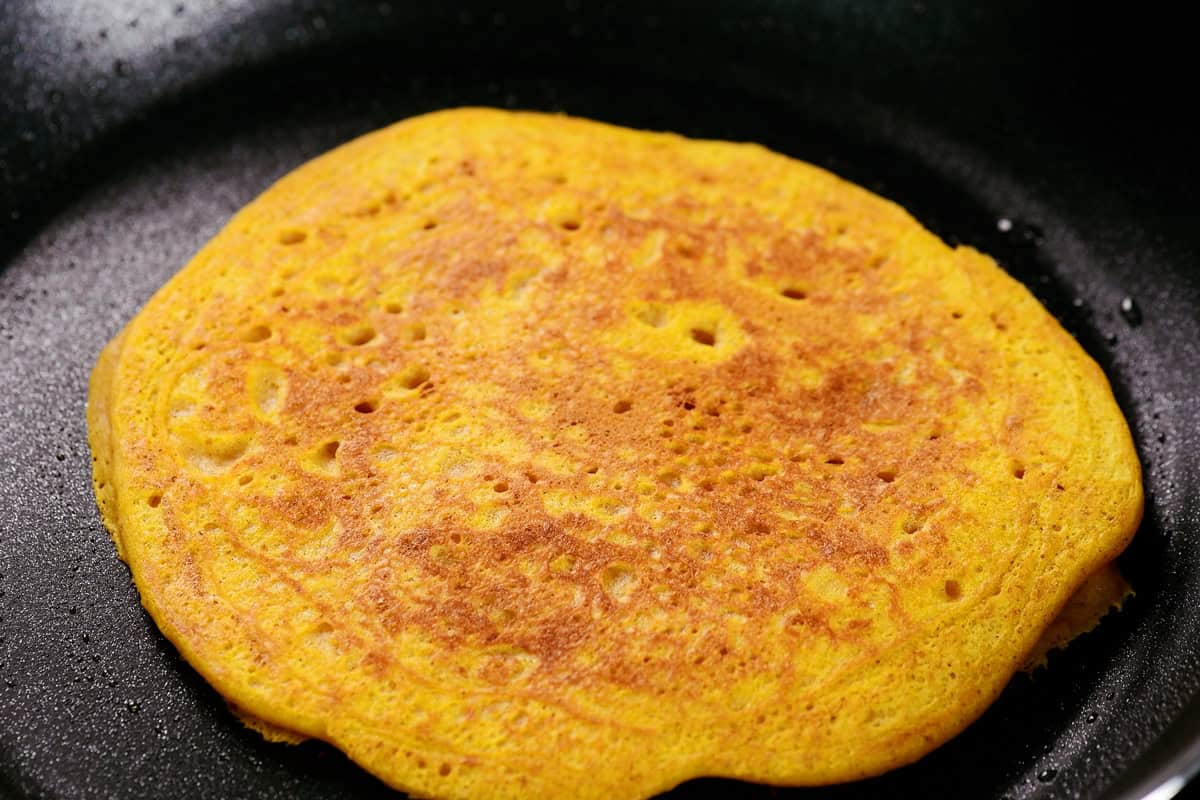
1091,717
1047,775
1004,225
132,706
1131,312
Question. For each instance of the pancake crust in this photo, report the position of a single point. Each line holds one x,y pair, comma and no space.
524,456
1105,591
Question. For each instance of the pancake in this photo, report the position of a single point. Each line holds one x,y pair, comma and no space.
519,455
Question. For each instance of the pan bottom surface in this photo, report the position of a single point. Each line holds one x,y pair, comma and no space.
95,703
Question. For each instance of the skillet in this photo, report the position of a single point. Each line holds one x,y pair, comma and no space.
130,132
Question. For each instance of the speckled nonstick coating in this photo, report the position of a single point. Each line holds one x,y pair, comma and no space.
130,132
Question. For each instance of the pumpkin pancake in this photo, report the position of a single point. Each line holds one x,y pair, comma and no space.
518,455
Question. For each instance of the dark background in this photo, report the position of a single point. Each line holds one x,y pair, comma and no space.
130,131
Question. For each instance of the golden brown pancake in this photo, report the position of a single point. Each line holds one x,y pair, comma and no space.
524,456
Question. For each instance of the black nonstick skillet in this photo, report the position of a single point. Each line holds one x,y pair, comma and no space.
1050,137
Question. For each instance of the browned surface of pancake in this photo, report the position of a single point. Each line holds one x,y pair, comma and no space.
518,455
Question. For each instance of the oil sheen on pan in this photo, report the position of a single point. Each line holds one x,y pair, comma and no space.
519,455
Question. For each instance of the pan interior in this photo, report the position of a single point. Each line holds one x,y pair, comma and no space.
95,698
